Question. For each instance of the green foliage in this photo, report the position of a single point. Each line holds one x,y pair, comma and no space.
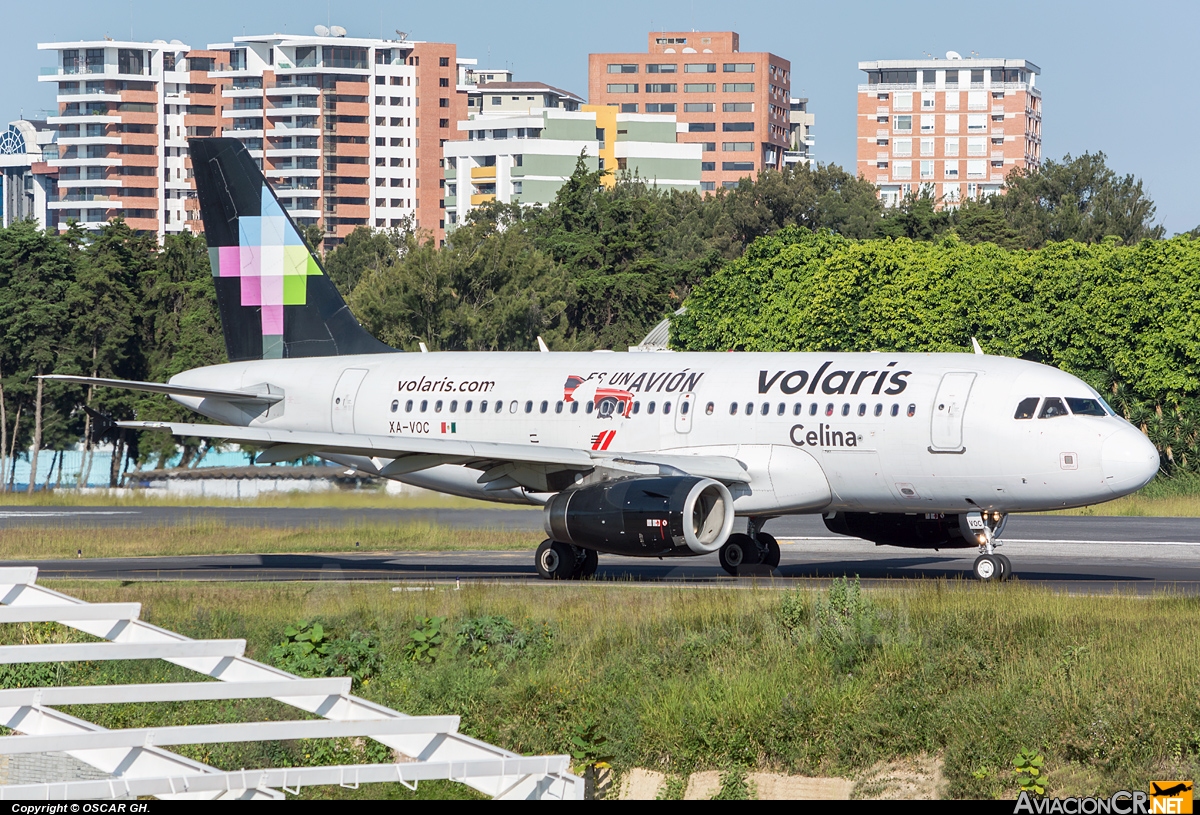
735,786
794,613
309,650
847,625
425,641
1029,768
588,746
491,639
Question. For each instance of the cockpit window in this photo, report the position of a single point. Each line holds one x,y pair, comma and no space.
1026,408
1053,406
1086,407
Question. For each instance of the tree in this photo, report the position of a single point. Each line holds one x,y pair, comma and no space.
977,222
362,251
917,218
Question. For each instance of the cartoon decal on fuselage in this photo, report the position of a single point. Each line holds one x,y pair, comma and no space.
608,402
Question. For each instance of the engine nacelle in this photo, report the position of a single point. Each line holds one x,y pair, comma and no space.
933,530
656,517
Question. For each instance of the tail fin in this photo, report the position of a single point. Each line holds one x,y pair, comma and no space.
274,297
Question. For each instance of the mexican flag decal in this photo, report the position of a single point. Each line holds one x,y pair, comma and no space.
449,427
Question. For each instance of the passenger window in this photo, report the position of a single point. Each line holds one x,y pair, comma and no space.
829,409
543,407
895,410
797,408
529,406
879,409
766,408
453,405
437,406
650,408
733,409
1026,408
684,407
408,406
512,406
781,409
749,408
483,406
1085,407
666,407
395,405
709,408
912,411
846,409
812,409
424,405
1052,407
500,406
590,406
637,406
862,410
558,406
574,407
467,406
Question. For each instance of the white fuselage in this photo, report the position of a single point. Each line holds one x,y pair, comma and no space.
824,431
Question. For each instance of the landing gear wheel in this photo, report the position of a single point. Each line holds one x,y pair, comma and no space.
585,565
1006,568
554,560
770,549
987,568
740,550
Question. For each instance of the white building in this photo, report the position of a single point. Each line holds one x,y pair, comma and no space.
27,182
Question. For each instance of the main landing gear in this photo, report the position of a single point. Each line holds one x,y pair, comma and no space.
756,552
562,561
990,565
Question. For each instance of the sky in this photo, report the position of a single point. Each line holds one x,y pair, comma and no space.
1114,75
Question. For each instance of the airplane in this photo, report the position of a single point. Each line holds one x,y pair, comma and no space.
1170,792
643,454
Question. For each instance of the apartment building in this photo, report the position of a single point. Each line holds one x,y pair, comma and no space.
125,111
350,130
735,105
525,156
336,123
800,133
955,127
27,182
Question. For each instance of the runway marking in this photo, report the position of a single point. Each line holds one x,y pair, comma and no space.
1010,540
45,514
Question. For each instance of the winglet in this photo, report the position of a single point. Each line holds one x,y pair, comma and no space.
542,345
975,345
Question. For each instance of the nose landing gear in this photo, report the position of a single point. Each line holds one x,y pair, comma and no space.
990,565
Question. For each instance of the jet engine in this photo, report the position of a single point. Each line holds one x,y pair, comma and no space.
665,516
933,530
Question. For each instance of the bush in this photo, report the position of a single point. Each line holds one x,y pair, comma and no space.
847,625
309,650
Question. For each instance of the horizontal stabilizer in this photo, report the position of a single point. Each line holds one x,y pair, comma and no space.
176,390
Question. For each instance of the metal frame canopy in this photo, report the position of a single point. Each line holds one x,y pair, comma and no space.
430,746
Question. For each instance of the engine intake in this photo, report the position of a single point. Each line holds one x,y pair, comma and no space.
927,531
669,515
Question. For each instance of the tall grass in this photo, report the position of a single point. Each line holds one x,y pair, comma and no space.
367,498
683,679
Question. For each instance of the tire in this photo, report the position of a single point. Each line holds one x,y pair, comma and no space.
987,568
740,550
770,547
554,560
1006,567
588,562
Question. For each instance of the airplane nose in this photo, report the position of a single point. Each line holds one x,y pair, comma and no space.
1129,460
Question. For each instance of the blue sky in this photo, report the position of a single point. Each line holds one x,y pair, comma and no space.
1115,76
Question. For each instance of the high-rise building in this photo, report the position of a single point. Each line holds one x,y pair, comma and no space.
125,110
955,127
525,156
800,135
735,104
349,130
27,182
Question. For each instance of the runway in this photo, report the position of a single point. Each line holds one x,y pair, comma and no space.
1079,553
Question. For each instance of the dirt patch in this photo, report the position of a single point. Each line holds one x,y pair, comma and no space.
912,779
773,787
703,786
641,785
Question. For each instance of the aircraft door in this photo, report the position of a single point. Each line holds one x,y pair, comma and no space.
684,412
345,395
946,425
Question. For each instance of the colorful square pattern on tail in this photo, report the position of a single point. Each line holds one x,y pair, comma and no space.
273,265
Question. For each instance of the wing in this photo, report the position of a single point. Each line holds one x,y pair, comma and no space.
177,390
539,468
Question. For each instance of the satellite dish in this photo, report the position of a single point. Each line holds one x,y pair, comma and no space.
403,35
337,31
176,42
953,55
158,42
320,31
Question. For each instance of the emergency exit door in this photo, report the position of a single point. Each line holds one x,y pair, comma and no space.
344,397
949,406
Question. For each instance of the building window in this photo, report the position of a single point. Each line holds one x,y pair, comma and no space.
699,87
952,124
902,147
708,166
443,102
444,62
622,68
737,166
976,123
702,127
737,107
951,169
698,107
737,147
443,123
926,170
903,101
902,124
928,100
976,146
662,88
708,186
611,89
976,168
738,87
739,67
708,146
666,107
629,107
902,170
927,147
737,127
443,82
700,68
665,68
952,100
927,122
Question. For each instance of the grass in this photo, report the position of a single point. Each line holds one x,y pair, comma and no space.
215,537
1176,496
684,679
335,499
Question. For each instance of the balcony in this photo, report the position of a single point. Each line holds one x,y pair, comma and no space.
482,198
481,173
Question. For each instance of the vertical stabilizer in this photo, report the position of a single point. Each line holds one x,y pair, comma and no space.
274,296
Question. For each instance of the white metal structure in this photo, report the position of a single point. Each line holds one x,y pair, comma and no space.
430,746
